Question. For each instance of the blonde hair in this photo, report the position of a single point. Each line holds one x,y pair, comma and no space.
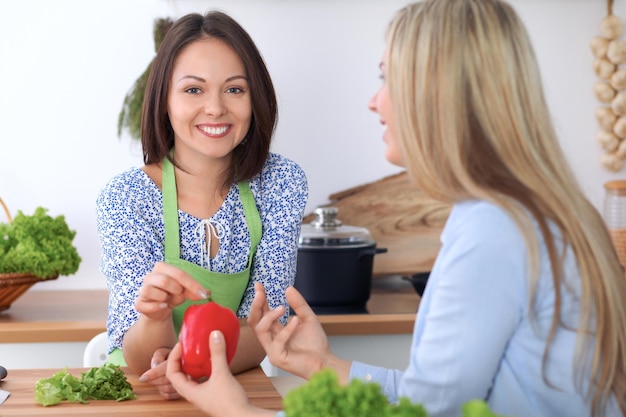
473,123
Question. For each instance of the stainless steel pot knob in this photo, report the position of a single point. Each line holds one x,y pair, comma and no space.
326,218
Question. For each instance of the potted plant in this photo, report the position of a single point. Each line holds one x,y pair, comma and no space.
32,249
130,115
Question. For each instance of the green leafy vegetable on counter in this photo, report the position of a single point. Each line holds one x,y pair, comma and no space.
39,244
477,408
107,382
323,395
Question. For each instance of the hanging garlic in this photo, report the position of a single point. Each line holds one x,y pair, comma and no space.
619,128
599,46
604,68
604,92
608,141
618,104
621,150
611,27
605,117
609,53
612,162
616,52
618,79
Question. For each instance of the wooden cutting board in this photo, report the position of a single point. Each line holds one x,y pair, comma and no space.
149,403
399,217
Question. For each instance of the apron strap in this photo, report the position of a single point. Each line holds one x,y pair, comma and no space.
252,217
170,211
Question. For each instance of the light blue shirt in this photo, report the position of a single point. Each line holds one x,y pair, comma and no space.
476,337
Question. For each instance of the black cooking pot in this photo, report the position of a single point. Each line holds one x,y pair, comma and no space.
335,264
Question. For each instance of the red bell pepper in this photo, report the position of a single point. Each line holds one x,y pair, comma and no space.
198,323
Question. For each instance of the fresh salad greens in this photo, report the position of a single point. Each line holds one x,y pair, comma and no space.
39,244
107,382
322,395
477,408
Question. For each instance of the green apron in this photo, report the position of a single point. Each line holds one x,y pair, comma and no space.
226,289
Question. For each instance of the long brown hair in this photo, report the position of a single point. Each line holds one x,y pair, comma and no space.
474,124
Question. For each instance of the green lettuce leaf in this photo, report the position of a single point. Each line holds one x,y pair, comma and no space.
323,395
60,386
39,244
107,382
477,408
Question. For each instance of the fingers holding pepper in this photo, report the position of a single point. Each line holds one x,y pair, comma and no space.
165,288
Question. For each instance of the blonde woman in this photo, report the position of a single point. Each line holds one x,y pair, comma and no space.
525,304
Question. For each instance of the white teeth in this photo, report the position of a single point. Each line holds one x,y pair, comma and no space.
214,130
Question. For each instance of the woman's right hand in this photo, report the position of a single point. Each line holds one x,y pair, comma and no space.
301,347
165,288
221,394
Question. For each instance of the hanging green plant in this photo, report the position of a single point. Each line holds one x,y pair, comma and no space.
130,115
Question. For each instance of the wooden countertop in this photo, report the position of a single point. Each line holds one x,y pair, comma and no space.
54,316
391,309
21,402
41,316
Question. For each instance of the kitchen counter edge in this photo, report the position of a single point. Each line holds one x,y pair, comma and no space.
43,316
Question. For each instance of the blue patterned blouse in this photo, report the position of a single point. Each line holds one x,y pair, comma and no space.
131,233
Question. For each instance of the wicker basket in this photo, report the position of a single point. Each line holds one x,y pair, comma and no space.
13,285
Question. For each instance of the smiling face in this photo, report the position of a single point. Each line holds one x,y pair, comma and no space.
381,103
209,103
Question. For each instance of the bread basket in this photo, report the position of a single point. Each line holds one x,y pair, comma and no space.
13,285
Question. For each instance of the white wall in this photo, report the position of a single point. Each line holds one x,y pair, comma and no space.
65,66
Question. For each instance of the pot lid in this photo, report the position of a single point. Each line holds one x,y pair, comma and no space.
328,231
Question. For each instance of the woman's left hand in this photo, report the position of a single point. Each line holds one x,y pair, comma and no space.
220,395
156,375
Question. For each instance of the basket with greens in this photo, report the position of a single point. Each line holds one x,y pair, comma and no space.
33,248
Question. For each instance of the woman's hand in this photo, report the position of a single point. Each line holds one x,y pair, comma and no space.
300,347
156,375
221,395
165,288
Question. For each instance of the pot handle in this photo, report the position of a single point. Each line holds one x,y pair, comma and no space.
372,251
